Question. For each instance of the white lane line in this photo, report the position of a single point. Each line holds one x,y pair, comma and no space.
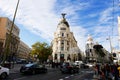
71,75
67,77
20,78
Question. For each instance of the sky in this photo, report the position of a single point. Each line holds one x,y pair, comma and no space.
38,20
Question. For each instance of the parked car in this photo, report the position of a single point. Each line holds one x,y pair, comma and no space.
4,72
33,68
69,68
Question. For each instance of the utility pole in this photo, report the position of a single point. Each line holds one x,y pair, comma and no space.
7,44
110,43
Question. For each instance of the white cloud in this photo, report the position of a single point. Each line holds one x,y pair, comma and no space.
41,18
80,36
38,16
106,15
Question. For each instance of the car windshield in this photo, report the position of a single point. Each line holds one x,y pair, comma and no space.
28,65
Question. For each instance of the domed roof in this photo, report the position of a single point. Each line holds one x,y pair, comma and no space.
89,38
63,20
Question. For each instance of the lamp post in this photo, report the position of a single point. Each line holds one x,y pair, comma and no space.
6,51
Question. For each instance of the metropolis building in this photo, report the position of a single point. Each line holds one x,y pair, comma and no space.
90,53
64,44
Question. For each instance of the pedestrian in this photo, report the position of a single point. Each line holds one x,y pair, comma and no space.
103,72
116,71
107,70
119,70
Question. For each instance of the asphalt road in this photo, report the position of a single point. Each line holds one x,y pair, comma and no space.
52,74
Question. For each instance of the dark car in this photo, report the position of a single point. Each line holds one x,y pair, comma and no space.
33,68
69,68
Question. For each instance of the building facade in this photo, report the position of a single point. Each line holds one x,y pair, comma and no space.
24,51
90,54
64,44
5,27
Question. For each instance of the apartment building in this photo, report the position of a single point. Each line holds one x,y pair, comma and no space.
5,27
24,51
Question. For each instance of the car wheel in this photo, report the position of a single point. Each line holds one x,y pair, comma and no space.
3,75
33,72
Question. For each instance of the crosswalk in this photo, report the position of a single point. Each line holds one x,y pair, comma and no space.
77,75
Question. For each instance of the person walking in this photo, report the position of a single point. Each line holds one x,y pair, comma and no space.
116,71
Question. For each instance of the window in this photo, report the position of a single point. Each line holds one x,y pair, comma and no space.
62,28
55,56
67,48
62,34
67,42
62,48
62,42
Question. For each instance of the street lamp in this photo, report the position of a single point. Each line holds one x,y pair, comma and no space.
6,51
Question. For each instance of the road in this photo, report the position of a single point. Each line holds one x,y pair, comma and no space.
53,74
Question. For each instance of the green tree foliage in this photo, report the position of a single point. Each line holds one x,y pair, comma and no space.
42,50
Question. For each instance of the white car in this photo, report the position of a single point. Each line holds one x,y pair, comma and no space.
4,72
78,63
90,65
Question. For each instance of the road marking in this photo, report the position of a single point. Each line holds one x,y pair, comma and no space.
61,79
71,75
67,77
20,78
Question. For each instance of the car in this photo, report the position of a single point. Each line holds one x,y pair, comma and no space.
78,63
4,72
67,67
33,68
84,66
22,61
89,65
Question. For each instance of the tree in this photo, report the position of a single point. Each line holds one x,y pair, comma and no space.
42,50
